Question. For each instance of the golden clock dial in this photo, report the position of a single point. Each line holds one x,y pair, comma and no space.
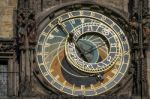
83,53
105,41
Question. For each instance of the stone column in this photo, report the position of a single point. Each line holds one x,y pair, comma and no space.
149,5
11,81
148,68
22,66
27,59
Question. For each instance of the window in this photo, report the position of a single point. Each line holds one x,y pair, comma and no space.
3,78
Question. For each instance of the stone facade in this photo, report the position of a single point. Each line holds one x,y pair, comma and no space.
118,4
148,65
7,8
122,5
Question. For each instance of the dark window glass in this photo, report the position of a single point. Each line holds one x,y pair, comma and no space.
3,80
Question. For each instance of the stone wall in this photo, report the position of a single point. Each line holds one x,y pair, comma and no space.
7,8
149,5
148,69
121,5
118,4
148,57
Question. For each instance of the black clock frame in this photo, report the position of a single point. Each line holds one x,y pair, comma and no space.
47,16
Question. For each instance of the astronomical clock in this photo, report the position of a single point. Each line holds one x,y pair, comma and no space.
82,51
74,49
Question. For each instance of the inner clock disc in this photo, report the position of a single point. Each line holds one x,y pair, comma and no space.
103,40
83,53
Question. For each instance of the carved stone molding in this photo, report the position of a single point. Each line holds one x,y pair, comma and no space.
7,46
26,26
146,28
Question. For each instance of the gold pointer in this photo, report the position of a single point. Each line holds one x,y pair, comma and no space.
71,39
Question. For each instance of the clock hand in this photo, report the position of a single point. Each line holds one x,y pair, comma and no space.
99,76
81,53
95,48
62,28
71,39
86,43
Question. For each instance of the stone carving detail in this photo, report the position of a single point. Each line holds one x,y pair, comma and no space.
26,25
134,25
6,46
146,28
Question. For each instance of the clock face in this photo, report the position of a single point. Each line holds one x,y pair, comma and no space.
83,53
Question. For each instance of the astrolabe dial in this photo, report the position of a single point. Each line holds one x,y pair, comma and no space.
83,53
88,43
